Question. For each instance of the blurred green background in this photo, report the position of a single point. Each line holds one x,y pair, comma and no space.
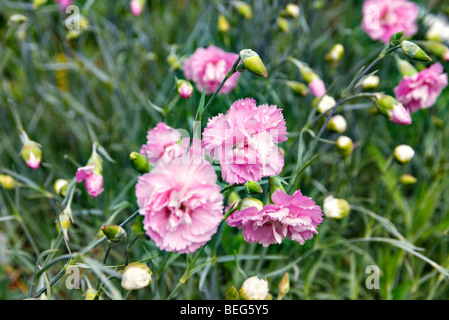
103,84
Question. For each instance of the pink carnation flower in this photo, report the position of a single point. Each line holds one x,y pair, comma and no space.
383,18
164,144
317,87
400,115
421,90
92,180
295,217
245,139
208,67
182,205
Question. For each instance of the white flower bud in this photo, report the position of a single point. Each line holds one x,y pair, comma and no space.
403,153
250,202
254,289
326,103
136,276
344,145
371,82
337,123
335,208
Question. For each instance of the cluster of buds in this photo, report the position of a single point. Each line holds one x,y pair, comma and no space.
31,152
136,276
185,88
392,109
335,208
403,153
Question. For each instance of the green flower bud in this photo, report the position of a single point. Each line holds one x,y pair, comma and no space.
407,179
283,24
396,39
243,9
7,182
438,49
414,52
274,183
90,294
139,162
336,53
60,186
284,285
38,3
253,63
252,187
65,222
344,145
405,67
138,229
298,87
232,294
113,233
223,24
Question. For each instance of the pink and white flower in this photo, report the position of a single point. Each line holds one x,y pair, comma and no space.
383,18
245,141
207,67
181,203
93,181
296,217
421,90
164,144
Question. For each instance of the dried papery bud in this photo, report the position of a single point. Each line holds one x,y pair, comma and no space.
32,154
60,186
297,87
336,53
252,187
7,182
185,88
414,52
250,202
335,208
136,276
223,24
345,145
407,179
392,109
253,63
113,233
139,162
243,9
284,285
325,104
337,123
292,10
232,294
254,289
283,24
403,153
371,82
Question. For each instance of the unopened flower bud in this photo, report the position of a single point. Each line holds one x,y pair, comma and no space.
136,276
138,229
297,87
17,18
335,208
252,187
174,61
439,49
325,104
60,186
337,123
232,294
185,88
292,10
317,87
284,285
344,145
233,200
307,73
405,67
90,294
396,39
403,153
283,24
223,24
113,233
7,182
414,52
31,153
392,109
243,9
370,82
407,179
65,222
254,289
38,3
136,6
249,203
336,53
139,162
253,63
274,183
